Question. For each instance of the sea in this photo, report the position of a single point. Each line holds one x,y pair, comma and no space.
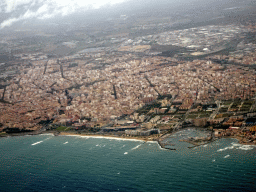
79,163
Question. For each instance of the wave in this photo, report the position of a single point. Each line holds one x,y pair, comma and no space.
41,141
226,148
227,156
65,143
37,142
126,153
160,146
243,147
231,8
237,146
157,144
246,147
136,147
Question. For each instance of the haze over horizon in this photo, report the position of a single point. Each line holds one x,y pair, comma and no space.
20,12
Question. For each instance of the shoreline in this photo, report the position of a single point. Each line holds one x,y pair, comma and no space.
141,139
239,140
105,137
138,139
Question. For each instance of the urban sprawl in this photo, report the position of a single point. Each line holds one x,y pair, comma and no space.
137,87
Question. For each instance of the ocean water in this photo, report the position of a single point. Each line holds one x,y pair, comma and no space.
72,163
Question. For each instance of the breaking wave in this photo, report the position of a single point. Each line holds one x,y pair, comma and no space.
237,146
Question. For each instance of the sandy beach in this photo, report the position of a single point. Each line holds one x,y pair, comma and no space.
106,137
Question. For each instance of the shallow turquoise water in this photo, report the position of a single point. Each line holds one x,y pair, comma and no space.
65,163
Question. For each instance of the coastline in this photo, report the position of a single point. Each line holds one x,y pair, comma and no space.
110,137
157,140
239,140
141,139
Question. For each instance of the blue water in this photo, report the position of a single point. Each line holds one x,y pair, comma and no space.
65,163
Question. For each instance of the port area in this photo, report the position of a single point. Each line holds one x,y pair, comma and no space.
186,138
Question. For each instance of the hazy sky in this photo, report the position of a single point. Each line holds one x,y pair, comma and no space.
20,10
